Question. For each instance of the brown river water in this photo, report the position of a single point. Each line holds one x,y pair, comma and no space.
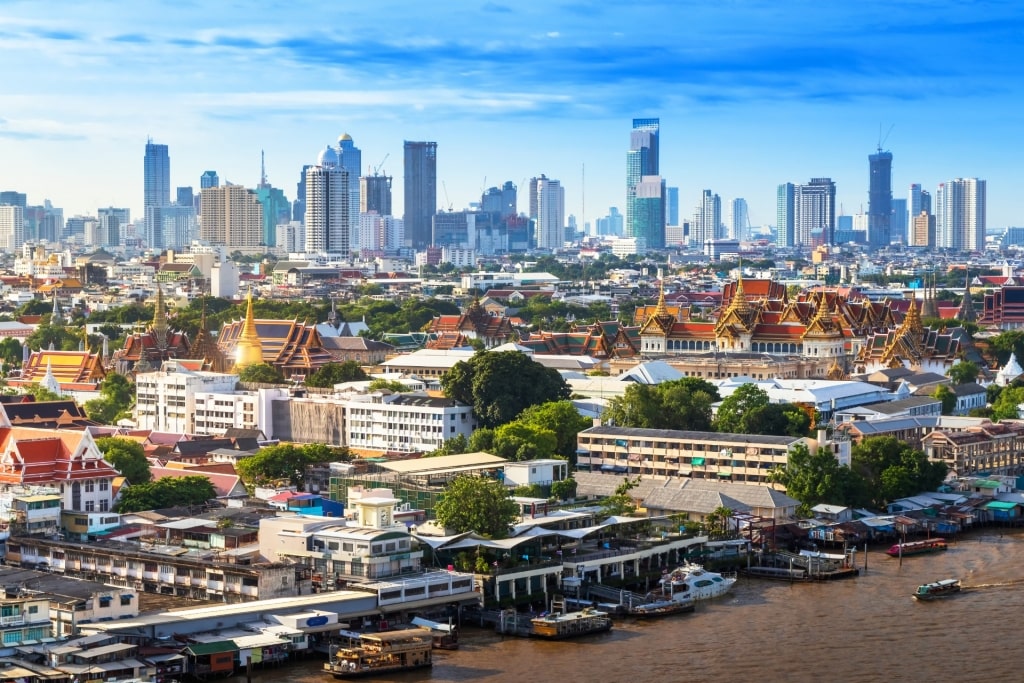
863,629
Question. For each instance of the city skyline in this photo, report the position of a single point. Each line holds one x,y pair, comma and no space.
749,96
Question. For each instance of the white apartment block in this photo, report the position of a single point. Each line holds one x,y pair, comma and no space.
458,257
165,399
405,422
216,412
12,228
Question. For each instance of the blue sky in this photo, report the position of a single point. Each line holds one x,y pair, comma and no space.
750,94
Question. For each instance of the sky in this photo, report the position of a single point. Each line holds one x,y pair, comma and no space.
750,94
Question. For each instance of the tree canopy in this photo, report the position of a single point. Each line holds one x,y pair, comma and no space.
814,478
560,417
501,384
336,373
1005,405
165,493
127,457
748,411
117,394
476,504
677,404
963,372
261,373
286,463
520,440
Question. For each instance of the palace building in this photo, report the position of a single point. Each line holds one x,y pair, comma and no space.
145,351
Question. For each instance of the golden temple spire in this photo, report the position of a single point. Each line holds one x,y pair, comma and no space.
160,317
248,349
739,298
661,309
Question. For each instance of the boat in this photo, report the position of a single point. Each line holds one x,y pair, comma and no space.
660,608
559,624
693,582
929,545
937,589
446,636
378,653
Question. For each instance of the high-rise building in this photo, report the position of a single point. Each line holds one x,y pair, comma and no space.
12,227
112,224
738,220
51,224
299,205
184,196
923,230
610,225
672,208
501,200
784,215
208,179
960,207
379,233
276,210
707,219
898,227
549,197
12,198
814,212
880,199
232,216
327,206
350,158
156,172
641,160
375,194
420,192
649,213
175,224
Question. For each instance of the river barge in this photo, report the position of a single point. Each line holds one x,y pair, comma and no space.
380,653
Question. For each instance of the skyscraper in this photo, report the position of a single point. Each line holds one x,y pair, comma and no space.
12,227
784,215
327,206
738,219
672,209
649,213
641,160
209,179
232,216
350,158
814,212
156,172
880,199
112,223
420,192
899,227
707,219
375,194
960,207
549,197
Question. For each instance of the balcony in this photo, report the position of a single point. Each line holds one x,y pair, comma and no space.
14,620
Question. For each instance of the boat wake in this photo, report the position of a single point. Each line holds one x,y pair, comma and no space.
1001,584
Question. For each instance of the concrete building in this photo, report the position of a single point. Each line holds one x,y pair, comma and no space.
166,399
327,205
405,422
547,197
12,228
960,212
642,160
232,216
880,199
218,411
420,192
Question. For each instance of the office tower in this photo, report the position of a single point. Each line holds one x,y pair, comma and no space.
814,212
176,225
549,197
232,216
327,206
51,225
918,200
784,215
707,219
183,196
641,160
453,229
672,209
610,225
350,158
208,179
500,200
375,194
649,213
276,210
960,215
75,225
379,233
12,227
923,230
156,171
112,223
12,198
738,220
898,226
299,205
420,192
880,199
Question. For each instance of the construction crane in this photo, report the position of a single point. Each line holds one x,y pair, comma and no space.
448,201
376,169
883,138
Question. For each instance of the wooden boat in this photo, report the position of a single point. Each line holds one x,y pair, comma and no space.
937,589
446,636
379,653
660,608
929,545
560,624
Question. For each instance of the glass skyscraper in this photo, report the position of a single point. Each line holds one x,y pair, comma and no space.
880,199
156,178
642,161
420,192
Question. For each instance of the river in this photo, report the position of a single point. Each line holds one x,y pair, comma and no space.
866,629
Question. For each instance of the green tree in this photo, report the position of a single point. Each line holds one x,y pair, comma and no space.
775,418
1005,406
117,394
948,398
392,385
477,504
165,493
560,417
336,373
718,519
520,440
731,411
481,441
127,457
893,469
286,463
814,478
500,385
261,373
10,352
963,372
564,489
41,393
453,446
677,404
620,502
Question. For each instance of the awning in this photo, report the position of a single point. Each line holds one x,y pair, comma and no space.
199,649
725,472
1001,505
697,461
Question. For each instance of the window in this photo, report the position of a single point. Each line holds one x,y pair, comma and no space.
90,486
126,600
104,485
90,506
105,601
33,609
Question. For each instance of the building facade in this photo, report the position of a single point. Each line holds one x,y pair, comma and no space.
642,160
960,208
166,399
232,216
405,422
548,196
880,199
420,192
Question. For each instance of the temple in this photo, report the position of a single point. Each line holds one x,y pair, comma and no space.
294,348
911,345
145,351
453,331
603,340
